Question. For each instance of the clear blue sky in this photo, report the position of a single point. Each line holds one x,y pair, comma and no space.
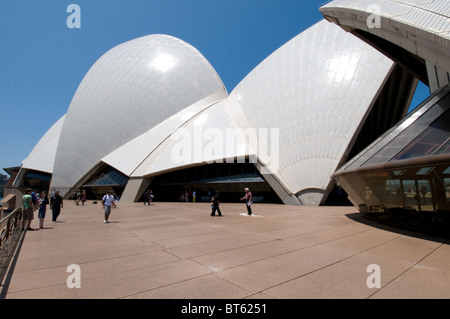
42,61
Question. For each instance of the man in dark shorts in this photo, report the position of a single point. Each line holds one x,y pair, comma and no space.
215,205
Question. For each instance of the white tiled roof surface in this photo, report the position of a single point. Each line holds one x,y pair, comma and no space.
430,15
129,90
425,23
316,89
42,156
130,156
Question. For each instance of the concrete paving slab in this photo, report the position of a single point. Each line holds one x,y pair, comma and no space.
205,287
411,284
49,277
248,254
214,246
327,234
361,241
178,251
438,259
344,279
120,285
216,233
261,275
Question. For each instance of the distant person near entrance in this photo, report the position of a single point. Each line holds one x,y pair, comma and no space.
248,201
43,202
215,205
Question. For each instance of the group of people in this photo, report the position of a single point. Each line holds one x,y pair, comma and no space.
188,195
33,201
148,197
215,203
80,196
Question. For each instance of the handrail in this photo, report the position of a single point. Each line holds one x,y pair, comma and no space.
10,233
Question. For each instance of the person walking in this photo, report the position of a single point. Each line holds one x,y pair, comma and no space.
147,197
248,200
56,204
78,197
107,202
150,197
215,205
43,202
27,210
83,197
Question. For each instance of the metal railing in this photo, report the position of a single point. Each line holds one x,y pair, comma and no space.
10,233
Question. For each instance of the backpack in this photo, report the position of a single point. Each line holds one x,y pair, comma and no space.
33,198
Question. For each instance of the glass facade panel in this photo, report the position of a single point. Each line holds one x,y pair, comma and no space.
229,179
394,142
37,181
108,177
396,196
447,188
429,141
409,189
413,197
404,177
424,171
445,148
424,195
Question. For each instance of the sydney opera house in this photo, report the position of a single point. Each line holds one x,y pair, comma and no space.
322,119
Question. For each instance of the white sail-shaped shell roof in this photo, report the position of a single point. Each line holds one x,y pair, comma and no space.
132,88
317,89
315,92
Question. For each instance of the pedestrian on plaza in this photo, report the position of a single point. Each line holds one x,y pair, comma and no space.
194,194
147,197
107,202
27,210
83,197
43,202
56,204
215,203
150,197
78,197
248,200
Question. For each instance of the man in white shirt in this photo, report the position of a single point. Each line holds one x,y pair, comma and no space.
107,202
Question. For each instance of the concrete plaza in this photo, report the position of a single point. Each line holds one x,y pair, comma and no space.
178,251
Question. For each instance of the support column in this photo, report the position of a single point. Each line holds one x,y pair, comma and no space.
134,189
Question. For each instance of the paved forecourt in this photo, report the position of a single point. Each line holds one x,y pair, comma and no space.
178,251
